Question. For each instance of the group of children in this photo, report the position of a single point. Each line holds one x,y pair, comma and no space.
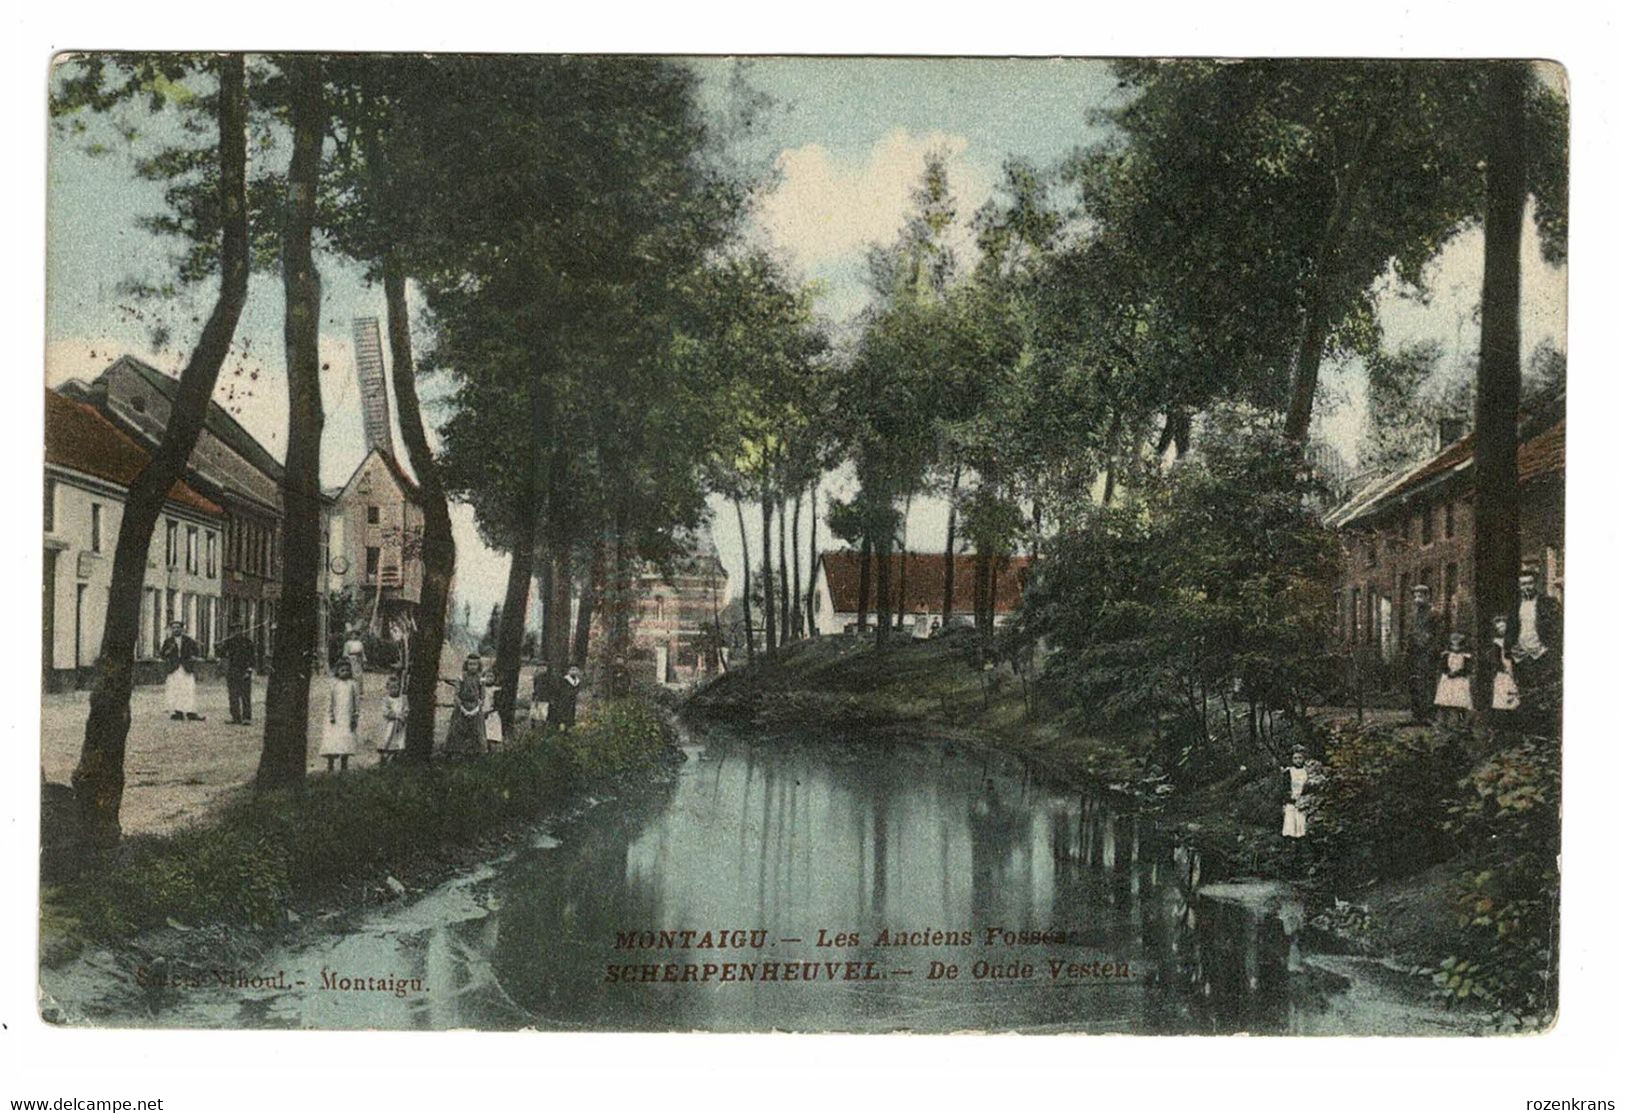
1453,695
475,724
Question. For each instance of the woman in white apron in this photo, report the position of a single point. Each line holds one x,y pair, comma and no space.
180,654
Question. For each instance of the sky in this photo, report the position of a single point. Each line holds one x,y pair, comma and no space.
845,141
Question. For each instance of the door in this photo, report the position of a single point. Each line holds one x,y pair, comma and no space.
1385,620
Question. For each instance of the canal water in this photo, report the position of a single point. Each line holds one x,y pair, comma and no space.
810,886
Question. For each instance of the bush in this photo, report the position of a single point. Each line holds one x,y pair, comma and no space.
261,852
1382,810
1508,813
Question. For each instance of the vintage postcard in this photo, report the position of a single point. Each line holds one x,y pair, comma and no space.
818,544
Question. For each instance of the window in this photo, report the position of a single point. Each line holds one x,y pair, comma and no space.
1354,615
172,553
1370,614
1427,525
1371,554
1451,582
372,561
191,548
171,607
1410,527
210,554
50,505
372,515
1405,603
1450,519
95,527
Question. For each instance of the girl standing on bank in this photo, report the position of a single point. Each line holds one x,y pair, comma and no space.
343,716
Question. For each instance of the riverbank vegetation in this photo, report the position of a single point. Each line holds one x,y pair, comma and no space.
268,854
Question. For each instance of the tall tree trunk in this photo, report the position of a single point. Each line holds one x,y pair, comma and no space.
795,564
1317,308
883,592
511,628
948,550
287,697
768,604
784,577
439,549
812,565
589,600
1495,428
546,634
902,563
865,551
98,779
744,547
557,651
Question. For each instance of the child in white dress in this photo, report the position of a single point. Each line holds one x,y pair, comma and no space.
1294,821
1454,693
1504,693
343,715
392,734
488,703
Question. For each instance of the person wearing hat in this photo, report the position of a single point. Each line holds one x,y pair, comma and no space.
1423,655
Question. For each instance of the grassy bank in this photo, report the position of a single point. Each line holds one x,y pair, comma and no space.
1425,846
264,855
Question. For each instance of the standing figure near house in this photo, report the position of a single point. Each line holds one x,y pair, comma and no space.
238,653
1504,690
1423,655
355,651
1535,640
339,740
488,704
392,734
563,710
180,654
1453,694
1294,788
465,738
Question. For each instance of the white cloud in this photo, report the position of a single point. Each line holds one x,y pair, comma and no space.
827,209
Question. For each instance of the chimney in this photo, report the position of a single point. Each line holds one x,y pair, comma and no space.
369,373
1451,430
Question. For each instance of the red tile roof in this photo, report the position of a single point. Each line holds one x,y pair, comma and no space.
1538,454
842,569
80,438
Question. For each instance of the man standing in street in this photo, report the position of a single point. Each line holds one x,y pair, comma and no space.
180,654
238,653
1423,655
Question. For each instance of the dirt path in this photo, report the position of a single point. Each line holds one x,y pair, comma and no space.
177,772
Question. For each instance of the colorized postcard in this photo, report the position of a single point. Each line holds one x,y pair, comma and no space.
817,544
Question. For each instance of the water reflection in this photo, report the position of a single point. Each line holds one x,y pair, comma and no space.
828,850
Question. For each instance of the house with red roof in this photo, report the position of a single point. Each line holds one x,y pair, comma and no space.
1415,526
916,586
89,465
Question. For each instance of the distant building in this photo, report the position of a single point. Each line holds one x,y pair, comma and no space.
1415,526
89,466
375,539
228,466
677,617
920,576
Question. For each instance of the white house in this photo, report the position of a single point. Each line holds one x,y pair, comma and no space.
89,465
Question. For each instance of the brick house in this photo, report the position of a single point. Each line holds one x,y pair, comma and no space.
89,466
1415,526
676,610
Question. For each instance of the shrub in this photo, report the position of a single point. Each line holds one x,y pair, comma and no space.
259,853
1382,810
